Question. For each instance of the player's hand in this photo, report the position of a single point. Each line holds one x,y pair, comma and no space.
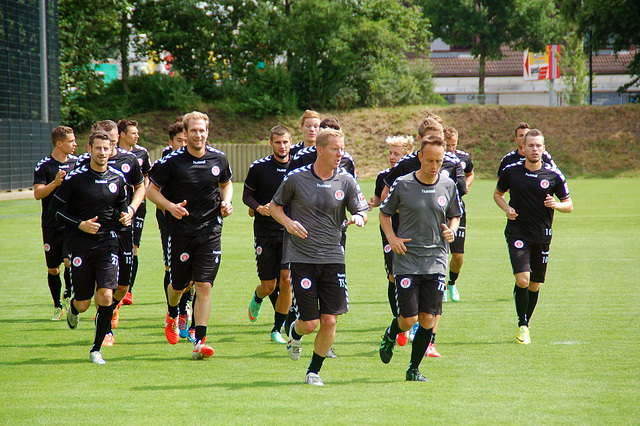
397,245
264,210
126,218
448,233
226,208
251,212
550,202
297,229
178,210
357,219
60,177
371,203
90,226
511,213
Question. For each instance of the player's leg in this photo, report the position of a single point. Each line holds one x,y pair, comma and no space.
106,267
282,304
520,256
457,258
430,288
53,238
180,255
407,297
138,224
305,300
539,262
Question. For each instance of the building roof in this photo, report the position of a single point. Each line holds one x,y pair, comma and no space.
462,64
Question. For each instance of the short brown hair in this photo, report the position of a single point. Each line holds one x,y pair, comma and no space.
522,125
331,123
429,124
105,125
324,135
194,115
432,140
278,130
309,114
175,128
450,133
60,133
123,125
98,134
533,133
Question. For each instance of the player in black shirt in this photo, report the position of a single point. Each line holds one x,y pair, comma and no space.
92,203
129,135
532,185
262,182
47,177
196,195
518,153
309,127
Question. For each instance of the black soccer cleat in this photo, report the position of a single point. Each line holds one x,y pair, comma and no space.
414,375
386,348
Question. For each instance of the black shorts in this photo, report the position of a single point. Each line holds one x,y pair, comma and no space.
457,246
388,256
319,288
193,259
125,257
269,257
94,268
138,223
529,257
164,237
55,246
419,293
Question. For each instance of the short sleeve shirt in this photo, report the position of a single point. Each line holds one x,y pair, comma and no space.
451,168
143,158
45,173
319,205
264,178
423,208
465,161
515,156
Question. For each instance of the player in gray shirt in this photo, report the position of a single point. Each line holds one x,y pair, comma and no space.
317,196
429,210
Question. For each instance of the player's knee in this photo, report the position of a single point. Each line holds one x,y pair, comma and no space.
135,250
54,271
82,305
534,286
67,262
392,278
406,323
457,257
328,321
269,286
308,327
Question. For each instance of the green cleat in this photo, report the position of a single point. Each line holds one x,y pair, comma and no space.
386,347
254,309
414,375
276,336
453,293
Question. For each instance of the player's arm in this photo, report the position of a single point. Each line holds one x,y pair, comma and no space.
249,200
58,210
156,197
359,219
41,191
563,206
226,194
396,244
469,178
375,201
385,192
292,226
498,197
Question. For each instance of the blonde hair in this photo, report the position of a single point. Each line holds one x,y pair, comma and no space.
194,115
450,133
402,141
322,140
309,114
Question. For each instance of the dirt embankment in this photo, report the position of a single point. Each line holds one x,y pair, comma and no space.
584,141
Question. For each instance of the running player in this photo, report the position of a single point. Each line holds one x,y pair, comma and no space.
263,179
317,196
309,127
196,195
429,210
47,177
91,202
532,185
128,141
518,153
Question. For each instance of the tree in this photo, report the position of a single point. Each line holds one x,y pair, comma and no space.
486,25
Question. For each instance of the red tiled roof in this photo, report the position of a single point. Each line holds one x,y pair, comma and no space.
512,62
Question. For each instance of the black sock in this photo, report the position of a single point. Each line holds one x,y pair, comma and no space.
201,332
173,311
167,281
74,311
134,272
193,311
273,297
257,299
316,363
184,301
521,296
391,295
114,304
453,276
55,286
278,321
394,329
293,334
420,343
103,324
433,338
533,300
68,286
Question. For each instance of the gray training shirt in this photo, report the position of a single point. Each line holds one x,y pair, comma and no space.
423,209
319,205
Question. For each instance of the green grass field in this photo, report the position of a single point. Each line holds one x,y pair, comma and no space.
582,367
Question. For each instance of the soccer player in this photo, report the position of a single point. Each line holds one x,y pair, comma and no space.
47,177
457,247
518,153
263,179
317,196
128,141
309,126
90,203
532,185
429,214
193,186
399,146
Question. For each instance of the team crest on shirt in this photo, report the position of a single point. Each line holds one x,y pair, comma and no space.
77,261
126,168
215,170
339,194
47,247
405,282
259,250
544,184
113,188
462,164
442,201
140,161
387,248
518,244
444,173
305,283
184,257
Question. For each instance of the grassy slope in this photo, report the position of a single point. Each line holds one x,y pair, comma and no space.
584,141
582,367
